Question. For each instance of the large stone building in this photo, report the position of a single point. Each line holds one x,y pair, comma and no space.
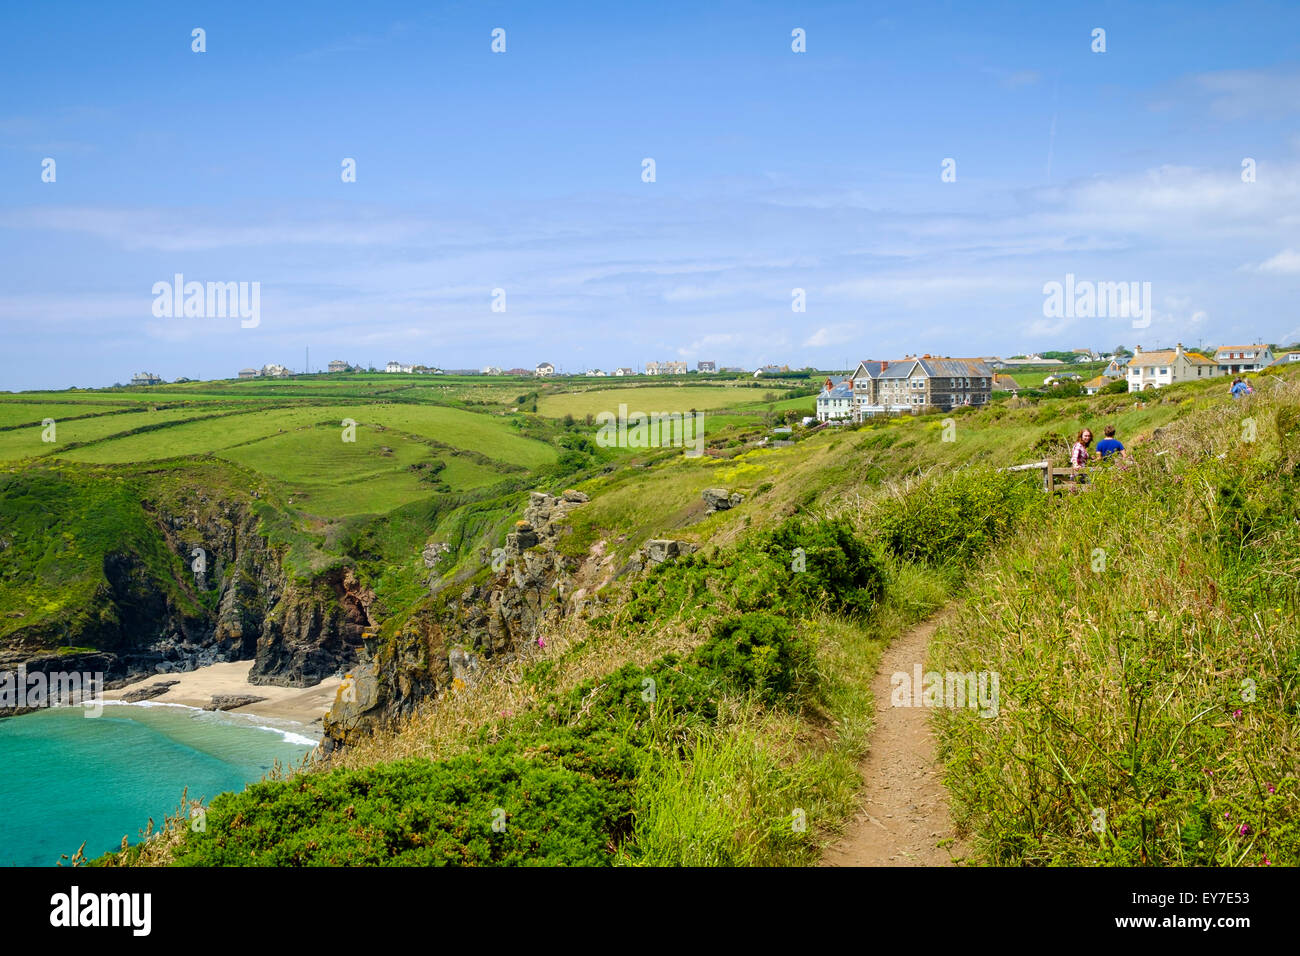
913,384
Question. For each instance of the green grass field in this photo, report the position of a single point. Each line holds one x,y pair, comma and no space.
648,399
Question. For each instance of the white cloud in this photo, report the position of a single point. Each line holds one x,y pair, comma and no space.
1286,262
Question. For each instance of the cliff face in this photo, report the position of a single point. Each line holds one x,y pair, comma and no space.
145,618
531,587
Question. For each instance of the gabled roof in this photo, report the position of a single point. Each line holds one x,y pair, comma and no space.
1167,357
1258,346
1098,382
901,369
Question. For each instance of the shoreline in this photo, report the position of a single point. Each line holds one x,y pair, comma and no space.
196,688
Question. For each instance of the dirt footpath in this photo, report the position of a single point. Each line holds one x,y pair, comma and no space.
904,815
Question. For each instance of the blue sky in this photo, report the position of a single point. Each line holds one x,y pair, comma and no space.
775,170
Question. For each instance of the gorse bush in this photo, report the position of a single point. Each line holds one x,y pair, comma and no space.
760,653
838,567
558,804
957,516
799,567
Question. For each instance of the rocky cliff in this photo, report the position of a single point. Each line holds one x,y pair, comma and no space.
229,597
532,585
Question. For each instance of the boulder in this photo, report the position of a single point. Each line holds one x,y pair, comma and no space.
231,701
719,499
149,692
575,497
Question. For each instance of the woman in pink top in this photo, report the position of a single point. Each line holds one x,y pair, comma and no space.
1079,454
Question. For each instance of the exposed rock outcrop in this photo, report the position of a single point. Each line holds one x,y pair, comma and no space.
719,499
446,644
231,701
148,692
236,601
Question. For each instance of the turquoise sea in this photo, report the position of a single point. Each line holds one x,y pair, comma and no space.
66,777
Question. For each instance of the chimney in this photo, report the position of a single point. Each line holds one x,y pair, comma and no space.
884,365
1178,350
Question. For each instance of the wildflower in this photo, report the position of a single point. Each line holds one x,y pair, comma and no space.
541,641
1236,715
1226,814
1272,789
1243,829
1266,861
1208,771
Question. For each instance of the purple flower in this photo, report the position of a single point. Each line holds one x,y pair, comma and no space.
541,641
1226,814
1236,715
1272,789
1243,829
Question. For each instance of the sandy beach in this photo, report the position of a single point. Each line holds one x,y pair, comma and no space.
306,705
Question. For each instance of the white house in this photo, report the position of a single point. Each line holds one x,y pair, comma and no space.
399,367
624,371
1168,367
491,370
835,403
544,369
1235,359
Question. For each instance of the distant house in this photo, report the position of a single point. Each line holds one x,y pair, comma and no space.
706,366
1235,359
597,373
771,370
1118,367
1087,355
624,371
665,368
1147,370
1286,358
519,371
145,378
458,371
835,403
544,369
249,373
274,370
1033,359
399,367
491,370
1095,385
1005,383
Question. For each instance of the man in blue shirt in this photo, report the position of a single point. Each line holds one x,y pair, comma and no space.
1240,388
1109,445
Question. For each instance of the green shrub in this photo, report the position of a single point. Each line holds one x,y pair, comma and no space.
840,568
555,805
957,516
760,653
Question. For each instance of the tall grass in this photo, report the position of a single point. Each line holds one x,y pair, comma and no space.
1146,638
